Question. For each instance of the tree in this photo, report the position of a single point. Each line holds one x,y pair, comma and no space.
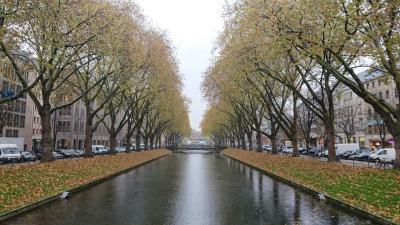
346,121
54,34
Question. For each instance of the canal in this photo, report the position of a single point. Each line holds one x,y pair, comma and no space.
189,188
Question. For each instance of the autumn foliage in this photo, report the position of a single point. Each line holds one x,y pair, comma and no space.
374,190
25,184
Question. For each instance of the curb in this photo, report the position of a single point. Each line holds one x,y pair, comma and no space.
16,212
357,211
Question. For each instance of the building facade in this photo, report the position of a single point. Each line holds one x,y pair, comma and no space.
366,127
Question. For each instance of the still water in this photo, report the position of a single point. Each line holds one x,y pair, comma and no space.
190,188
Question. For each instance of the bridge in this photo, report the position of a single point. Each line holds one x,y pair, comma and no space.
196,147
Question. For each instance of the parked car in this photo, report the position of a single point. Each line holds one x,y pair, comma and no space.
57,156
28,157
99,149
267,148
315,151
66,153
287,150
120,149
303,151
323,153
79,152
364,155
9,153
347,154
383,155
342,148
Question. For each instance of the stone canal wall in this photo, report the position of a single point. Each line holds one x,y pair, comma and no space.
368,192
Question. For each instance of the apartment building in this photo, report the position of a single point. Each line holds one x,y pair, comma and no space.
17,115
366,127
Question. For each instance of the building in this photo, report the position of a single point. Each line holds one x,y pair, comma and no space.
368,128
17,115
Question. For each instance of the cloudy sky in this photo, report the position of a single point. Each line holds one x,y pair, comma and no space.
193,26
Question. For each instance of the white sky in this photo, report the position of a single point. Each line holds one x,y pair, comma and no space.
193,26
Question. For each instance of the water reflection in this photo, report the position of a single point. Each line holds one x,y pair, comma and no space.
190,189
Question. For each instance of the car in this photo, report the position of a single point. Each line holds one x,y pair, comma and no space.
323,153
120,149
66,153
99,149
342,148
315,151
347,154
9,153
303,151
288,150
267,148
57,156
28,157
383,155
364,155
79,152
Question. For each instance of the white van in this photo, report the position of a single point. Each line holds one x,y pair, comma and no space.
384,155
99,149
342,148
9,152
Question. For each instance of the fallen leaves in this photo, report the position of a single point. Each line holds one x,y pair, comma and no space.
25,184
374,190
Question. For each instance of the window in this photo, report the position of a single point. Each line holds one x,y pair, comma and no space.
8,133
15,133
22,121
17,106
9,120
373,84
23,107
380,95
370,129
387,94
16,121
367,86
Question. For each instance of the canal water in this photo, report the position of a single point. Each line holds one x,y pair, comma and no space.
190,188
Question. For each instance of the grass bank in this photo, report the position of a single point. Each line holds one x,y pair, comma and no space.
374,190
26,184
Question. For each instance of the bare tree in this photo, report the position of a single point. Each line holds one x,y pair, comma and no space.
346,120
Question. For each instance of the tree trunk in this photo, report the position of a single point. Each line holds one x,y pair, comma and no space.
396,164
113,143
88,138
151,142
128,145
250,140
243,142
258,138
47,142
137,140
274,145
294,127
146,142
330,143
295,147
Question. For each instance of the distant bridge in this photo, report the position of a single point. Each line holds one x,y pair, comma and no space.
196,147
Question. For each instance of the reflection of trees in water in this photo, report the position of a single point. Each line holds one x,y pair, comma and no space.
297,207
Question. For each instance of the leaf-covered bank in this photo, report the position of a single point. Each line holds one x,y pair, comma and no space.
374,190
26,184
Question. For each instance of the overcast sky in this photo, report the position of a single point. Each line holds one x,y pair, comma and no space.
193,26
